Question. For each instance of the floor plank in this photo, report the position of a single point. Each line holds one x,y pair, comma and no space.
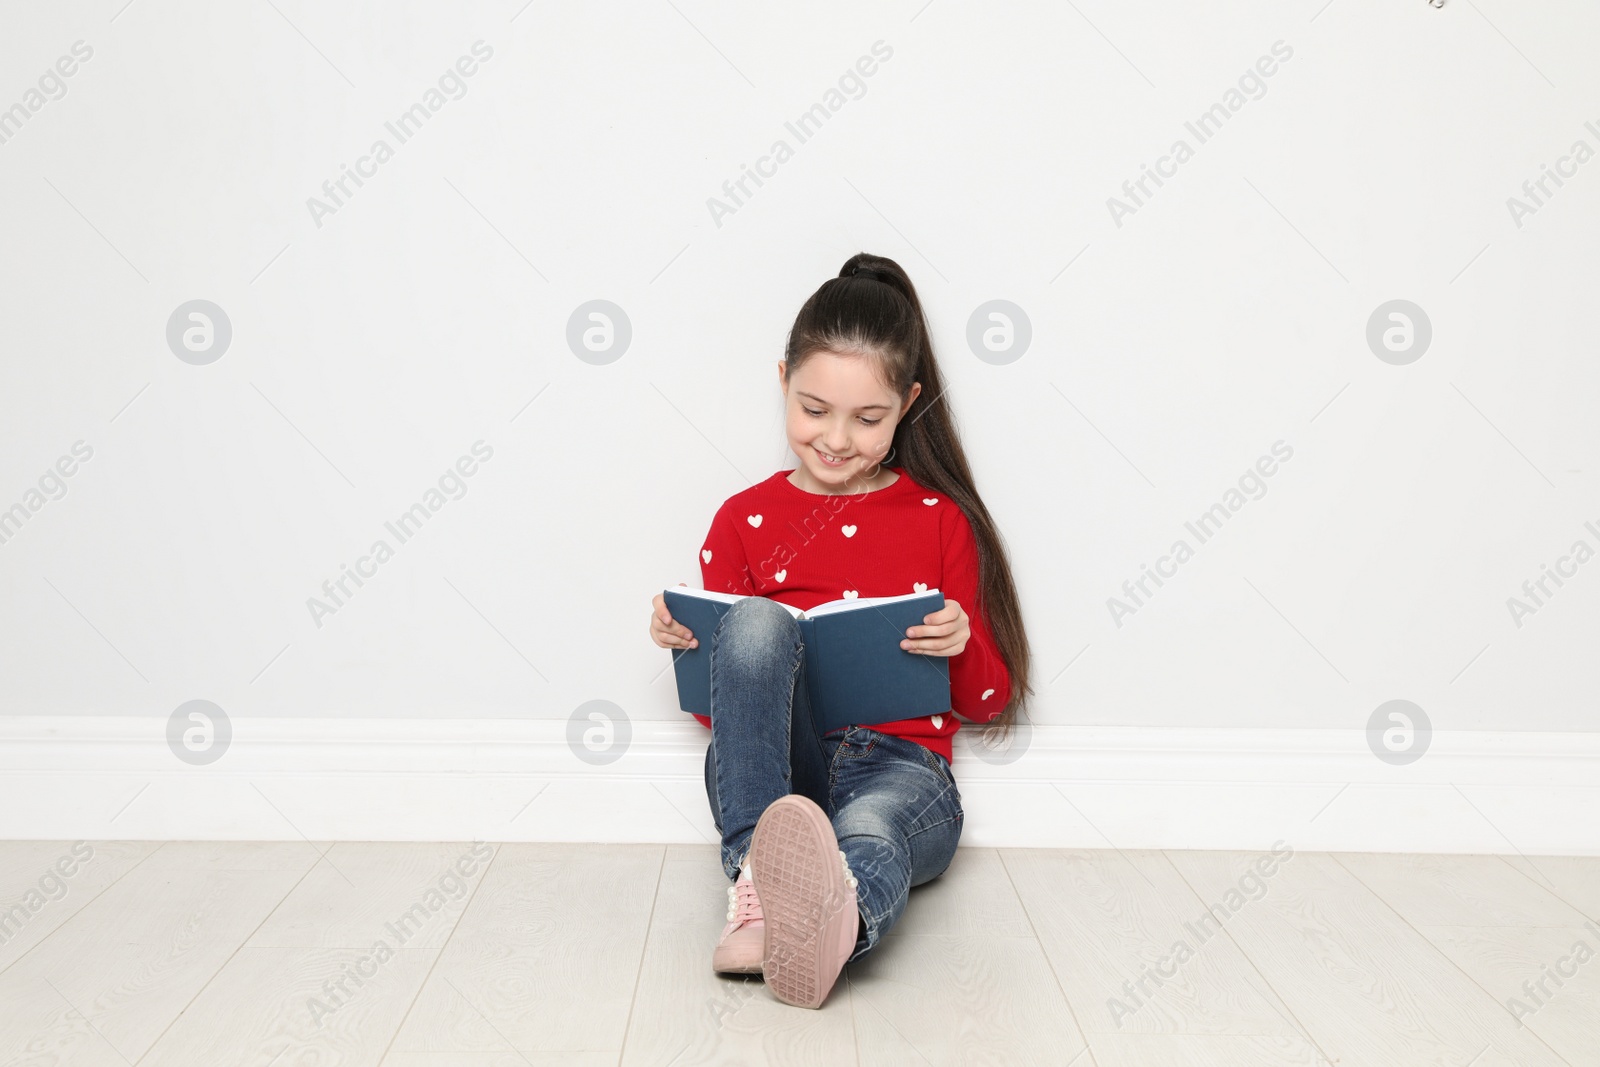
297,1007
1547,978
1530,950
406,894
961,975
1136,952
1203,1050
956,1000
36,896
545,957
1365,985
238,855
41,1028
131,959
500,1059
1575,879
1458,890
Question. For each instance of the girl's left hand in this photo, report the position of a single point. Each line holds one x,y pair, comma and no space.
944,632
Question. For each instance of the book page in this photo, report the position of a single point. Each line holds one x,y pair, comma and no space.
834,606
729,598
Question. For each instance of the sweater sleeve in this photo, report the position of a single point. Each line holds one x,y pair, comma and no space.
980,685
723,567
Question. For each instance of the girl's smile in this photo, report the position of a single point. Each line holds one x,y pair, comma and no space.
832,461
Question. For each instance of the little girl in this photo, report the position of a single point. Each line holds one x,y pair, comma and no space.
823,836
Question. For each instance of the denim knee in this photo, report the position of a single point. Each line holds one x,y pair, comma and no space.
758,625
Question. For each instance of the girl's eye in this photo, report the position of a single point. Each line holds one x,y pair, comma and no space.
815,414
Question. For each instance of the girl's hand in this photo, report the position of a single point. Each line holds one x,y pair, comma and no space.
665,632
944,632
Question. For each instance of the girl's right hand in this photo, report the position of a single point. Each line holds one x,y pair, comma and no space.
665,632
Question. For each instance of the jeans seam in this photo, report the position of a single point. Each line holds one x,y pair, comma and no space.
936,764
797,656
833,776
944,822
866,916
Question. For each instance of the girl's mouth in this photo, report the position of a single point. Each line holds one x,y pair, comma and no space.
826,461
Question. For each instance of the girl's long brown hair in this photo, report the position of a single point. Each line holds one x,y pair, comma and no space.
880,318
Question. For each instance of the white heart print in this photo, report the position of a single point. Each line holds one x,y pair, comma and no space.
705,554
921,587
930,500
851,594
781,575
848,531
753,520
938,722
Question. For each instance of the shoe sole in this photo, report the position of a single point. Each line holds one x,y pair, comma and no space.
794,861
729,964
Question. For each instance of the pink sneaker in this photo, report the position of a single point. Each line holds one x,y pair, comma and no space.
739,950
809,896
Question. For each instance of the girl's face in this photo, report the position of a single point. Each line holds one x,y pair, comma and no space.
840,420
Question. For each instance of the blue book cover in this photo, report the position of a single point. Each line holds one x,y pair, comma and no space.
856,672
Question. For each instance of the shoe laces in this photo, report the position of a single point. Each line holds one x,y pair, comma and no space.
743,904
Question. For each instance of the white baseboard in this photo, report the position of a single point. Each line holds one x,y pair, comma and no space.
114,778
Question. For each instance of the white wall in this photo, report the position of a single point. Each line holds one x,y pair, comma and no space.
1171,347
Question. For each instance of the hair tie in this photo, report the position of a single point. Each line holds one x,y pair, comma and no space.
865,272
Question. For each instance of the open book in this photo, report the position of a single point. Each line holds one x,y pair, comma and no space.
856,672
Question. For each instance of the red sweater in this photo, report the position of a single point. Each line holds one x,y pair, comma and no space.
777,540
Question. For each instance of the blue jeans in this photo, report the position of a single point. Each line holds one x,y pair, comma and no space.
893,803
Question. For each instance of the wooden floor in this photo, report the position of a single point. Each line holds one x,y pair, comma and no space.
268,955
